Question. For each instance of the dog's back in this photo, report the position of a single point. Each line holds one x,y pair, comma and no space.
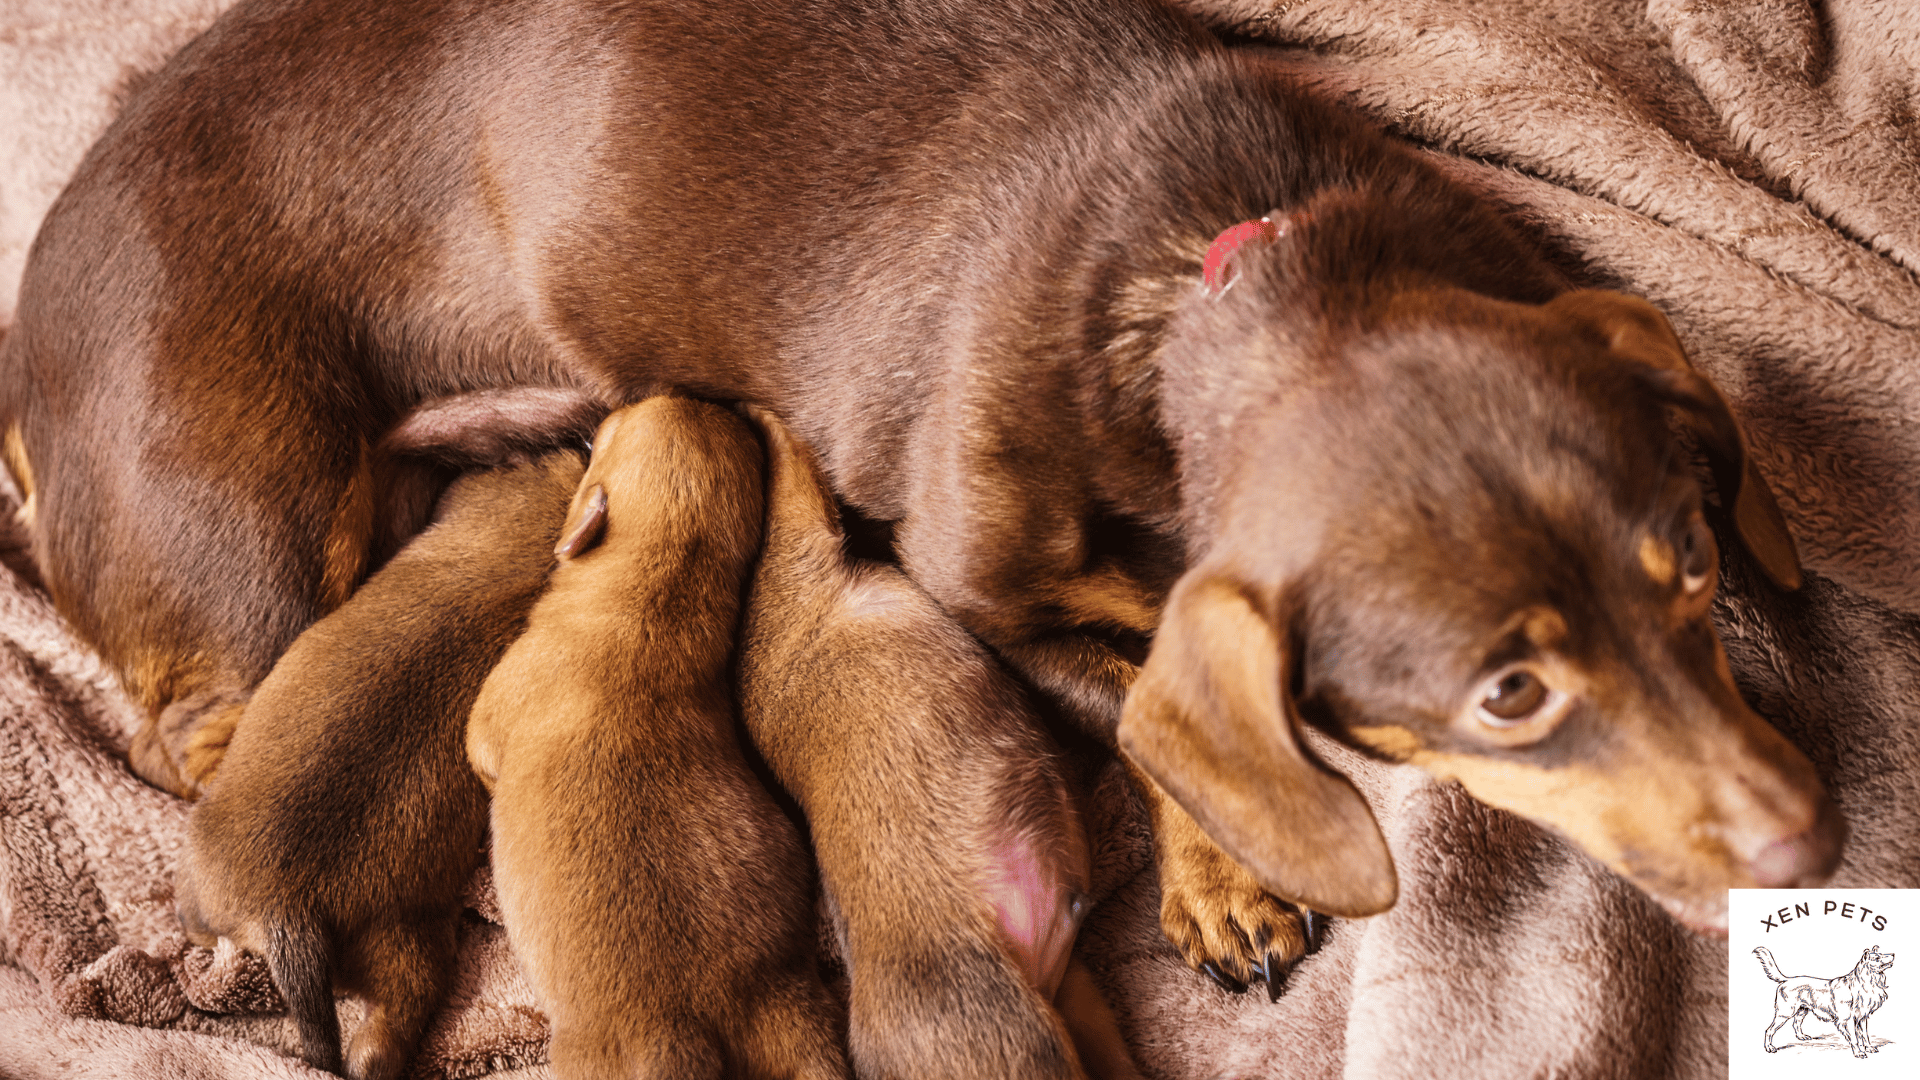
659,899
344,821
528,224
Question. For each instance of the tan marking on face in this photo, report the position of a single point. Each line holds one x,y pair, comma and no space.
1657,559
1637,821
1545,627
13,451
1391,740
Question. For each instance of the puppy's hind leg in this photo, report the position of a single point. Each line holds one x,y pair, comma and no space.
299,959
792,1036
403,968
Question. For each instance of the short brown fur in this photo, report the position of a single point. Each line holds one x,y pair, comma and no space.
345,822
658,898
924,775
956,244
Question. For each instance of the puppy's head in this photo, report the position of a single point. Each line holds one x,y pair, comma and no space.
667,469
1460,533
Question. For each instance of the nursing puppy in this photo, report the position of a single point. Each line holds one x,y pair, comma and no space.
658,898
951,855
345,821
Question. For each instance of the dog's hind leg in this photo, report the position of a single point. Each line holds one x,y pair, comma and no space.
403,968
1779,1020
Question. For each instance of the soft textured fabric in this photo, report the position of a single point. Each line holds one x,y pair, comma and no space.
1748,167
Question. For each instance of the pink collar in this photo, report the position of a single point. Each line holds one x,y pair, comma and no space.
1215,278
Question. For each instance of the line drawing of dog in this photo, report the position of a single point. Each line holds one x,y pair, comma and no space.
1847,1002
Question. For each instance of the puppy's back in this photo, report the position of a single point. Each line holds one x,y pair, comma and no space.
344,821
660,901
951,855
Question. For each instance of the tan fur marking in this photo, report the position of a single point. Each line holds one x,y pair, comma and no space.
208,744
1109,597
1545,627
1392,740
1613,816
155,678
14,452
346,549
1656,558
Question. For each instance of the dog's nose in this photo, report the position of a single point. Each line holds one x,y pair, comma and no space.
1804,859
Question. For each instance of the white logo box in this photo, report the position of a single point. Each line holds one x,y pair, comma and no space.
1821,934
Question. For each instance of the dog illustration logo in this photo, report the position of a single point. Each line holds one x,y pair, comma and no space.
1847,1002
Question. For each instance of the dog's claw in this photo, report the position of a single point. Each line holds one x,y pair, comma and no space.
1276,972
1227,982
1220,919
1314,926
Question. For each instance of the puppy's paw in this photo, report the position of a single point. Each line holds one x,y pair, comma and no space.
1227,926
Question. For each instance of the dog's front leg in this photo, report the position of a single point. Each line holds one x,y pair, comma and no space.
1221,920
1025,579
1852,1028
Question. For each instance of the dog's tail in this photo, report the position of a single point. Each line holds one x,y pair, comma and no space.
299,957
1767,965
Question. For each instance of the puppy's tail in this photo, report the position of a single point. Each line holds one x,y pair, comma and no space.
1767,965
300,960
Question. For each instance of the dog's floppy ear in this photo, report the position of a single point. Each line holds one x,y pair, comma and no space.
1636,331
1211,721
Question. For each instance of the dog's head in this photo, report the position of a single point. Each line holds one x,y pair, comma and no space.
1875,961
1460,533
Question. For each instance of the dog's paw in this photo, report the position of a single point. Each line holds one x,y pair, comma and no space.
1221,920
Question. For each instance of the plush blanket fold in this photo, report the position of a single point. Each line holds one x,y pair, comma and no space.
1749,167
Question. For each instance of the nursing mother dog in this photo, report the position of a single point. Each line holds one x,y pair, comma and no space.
1384,476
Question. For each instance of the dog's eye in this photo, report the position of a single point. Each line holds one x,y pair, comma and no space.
1516,696
1697,554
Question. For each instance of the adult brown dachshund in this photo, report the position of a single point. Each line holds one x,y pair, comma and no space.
1412,491
346,822
659,899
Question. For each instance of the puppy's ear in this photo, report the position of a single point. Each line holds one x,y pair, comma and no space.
586,523
1636,331
1210,719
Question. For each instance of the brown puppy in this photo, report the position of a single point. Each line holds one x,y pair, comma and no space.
660,901
345,820
958,245
951,856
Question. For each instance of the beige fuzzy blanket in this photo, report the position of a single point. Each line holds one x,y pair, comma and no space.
1748,165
